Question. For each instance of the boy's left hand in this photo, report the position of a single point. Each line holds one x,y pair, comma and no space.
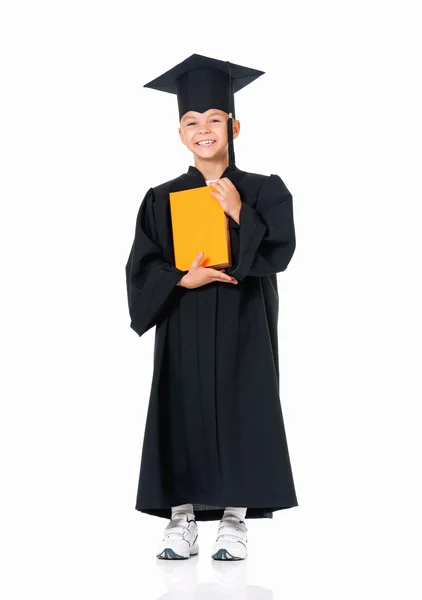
228,197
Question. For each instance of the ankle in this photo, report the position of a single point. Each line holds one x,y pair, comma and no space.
186,509
232,512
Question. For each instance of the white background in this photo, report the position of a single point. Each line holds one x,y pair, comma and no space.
338,116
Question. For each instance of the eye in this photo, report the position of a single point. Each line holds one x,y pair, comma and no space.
191,123
215,119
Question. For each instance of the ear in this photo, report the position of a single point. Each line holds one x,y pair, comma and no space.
236,128
182,137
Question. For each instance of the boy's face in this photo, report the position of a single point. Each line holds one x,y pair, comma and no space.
209,127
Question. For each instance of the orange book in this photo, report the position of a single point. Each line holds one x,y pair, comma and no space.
199,224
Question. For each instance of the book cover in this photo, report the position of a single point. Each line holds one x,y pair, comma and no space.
199,224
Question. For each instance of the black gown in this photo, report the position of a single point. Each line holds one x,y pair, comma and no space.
214,433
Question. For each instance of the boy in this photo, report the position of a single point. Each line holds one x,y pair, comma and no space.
215,445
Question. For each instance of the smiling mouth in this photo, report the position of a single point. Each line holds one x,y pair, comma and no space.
203,143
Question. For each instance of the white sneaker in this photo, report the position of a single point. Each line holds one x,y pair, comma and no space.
180,538
231,543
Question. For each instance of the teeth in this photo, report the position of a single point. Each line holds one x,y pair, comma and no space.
205,143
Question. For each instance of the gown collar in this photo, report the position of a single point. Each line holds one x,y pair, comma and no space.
232,174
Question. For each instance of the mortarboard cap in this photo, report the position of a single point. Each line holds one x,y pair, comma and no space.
201,83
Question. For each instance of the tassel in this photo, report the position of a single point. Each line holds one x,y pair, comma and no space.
231,148
231,156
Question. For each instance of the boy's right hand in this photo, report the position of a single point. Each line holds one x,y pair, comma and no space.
197,275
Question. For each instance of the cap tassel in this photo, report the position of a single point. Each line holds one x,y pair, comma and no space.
230,123
231,148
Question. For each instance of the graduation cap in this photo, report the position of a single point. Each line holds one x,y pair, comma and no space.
201,83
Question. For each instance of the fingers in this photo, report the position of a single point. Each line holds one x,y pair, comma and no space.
216,192
224,182
197,260
211,274
220,276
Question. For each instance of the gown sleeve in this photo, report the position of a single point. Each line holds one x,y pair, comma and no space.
150,280
267,238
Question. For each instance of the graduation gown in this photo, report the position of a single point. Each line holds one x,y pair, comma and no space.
214,433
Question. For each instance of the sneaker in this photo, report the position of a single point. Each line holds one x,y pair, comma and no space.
180,538
231,542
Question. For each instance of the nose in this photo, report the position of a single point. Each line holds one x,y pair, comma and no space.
204,128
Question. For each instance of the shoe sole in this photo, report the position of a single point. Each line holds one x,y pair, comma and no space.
169,553
224,554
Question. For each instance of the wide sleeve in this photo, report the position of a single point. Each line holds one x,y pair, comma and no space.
150,280
266,232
